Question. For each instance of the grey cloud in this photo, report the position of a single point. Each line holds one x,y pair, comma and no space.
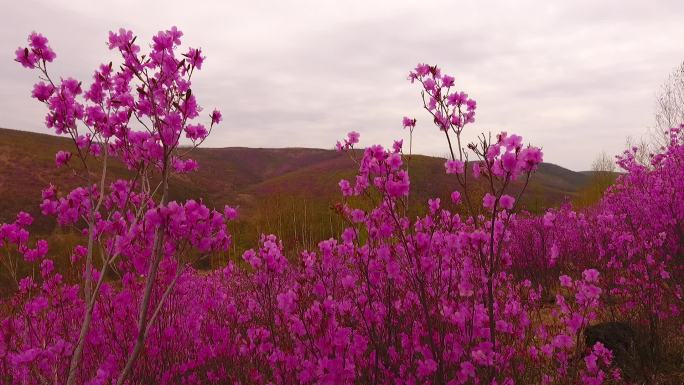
574,77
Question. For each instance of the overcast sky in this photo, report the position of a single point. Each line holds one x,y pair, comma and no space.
575,77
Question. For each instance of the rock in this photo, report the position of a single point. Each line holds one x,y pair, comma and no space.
622,341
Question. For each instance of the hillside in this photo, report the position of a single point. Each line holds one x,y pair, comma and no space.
296,186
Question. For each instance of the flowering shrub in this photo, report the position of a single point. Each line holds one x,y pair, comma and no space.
134,113
634,236
450,297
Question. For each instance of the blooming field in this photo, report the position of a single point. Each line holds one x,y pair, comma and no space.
492,296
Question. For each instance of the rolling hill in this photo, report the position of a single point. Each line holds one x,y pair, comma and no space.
287,190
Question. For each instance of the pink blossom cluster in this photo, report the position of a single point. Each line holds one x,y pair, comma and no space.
456,295
450,109
633,236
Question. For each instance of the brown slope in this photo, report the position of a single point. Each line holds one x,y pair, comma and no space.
27,166
551,183
249,177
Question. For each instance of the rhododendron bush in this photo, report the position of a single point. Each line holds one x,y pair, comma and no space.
471,292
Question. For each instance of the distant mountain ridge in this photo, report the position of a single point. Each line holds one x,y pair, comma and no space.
243,176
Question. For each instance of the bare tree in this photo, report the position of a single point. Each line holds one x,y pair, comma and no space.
603,174
645,147
669,107
669,112
603,164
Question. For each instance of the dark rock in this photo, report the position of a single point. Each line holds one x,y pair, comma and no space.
621,339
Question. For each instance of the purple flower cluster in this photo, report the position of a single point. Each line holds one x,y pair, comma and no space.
453,296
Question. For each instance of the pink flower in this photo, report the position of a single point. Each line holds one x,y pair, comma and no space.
488,201
400,186
78,253
397,145
230,213
196,132
195,57
426,367
46,267
49,192
184,166
531,157
121,39
348,281
24,219
408,122
563,341
467,371
441,121
348,235
422,70
456,121
353,137
38,41
456,196
42,91
345,187
25,57
454,167
430,85
286,301
493,151
457,98
548,219
590,275
471,105
587,293
394,161
509,162
62,158
39,45
434,205
358,216
447,81
565,281
216,117
513,142
26,284
507,202
476,170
